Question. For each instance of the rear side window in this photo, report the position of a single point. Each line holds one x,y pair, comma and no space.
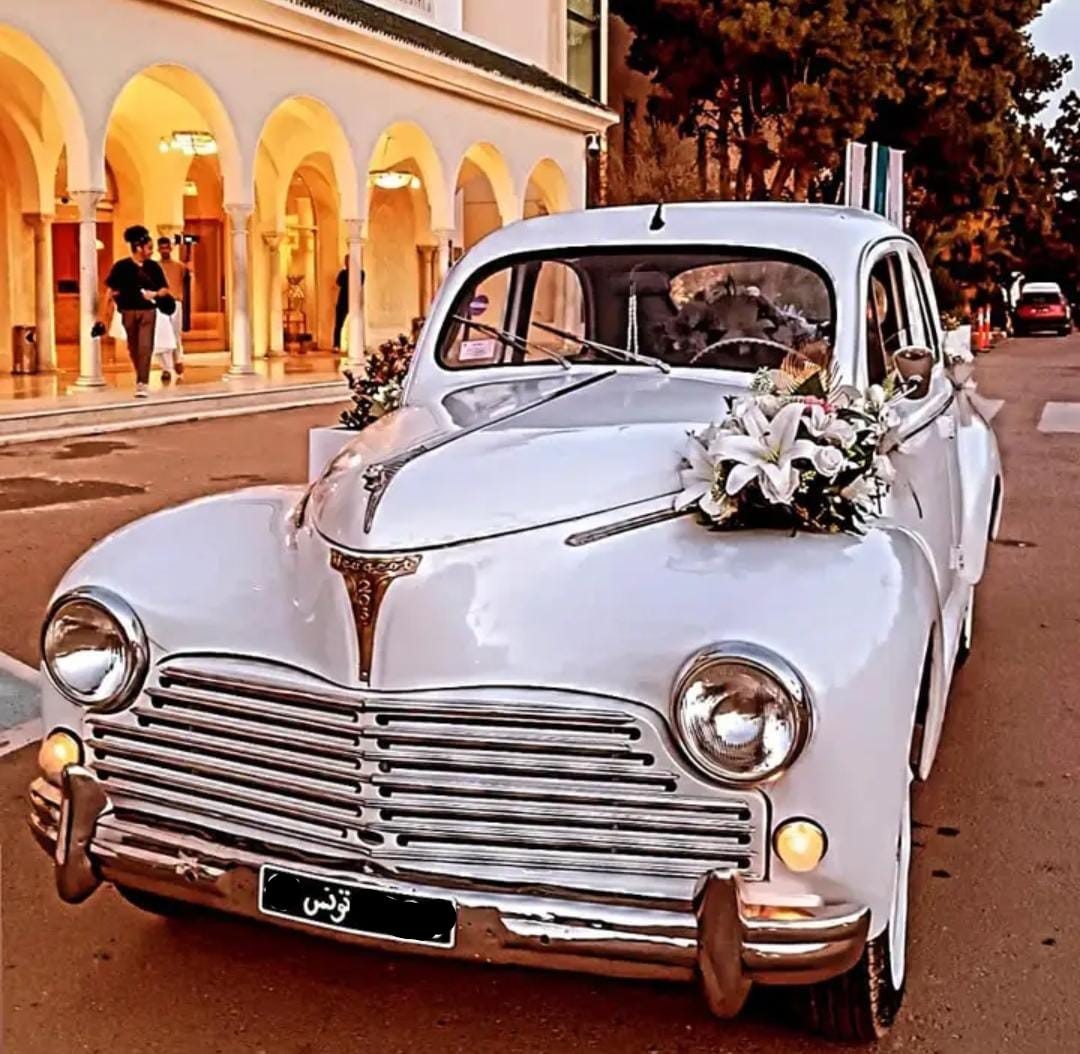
887,326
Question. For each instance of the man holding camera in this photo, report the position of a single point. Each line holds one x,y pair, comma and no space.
168,344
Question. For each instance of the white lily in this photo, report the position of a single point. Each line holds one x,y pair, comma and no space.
822,424
766,453
860,490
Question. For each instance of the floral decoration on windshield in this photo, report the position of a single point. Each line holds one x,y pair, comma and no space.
798,451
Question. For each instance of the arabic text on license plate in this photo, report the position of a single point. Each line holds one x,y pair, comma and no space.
353,908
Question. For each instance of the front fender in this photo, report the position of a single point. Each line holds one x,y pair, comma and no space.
228,574
620,617
980,474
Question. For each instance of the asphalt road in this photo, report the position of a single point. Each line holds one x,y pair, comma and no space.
995,945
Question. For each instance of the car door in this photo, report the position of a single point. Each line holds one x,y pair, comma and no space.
926,494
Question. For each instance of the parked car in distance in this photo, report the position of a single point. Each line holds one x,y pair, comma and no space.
486,690
1042,308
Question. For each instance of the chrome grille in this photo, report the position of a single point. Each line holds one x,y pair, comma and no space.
520,788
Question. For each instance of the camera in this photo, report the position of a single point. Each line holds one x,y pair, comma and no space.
594,144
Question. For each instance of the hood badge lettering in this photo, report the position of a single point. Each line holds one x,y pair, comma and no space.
367,579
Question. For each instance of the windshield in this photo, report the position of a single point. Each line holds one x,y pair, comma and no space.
1040,298
723,309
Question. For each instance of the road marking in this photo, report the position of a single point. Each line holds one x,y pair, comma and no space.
20,736
1060,417
20,705
9,664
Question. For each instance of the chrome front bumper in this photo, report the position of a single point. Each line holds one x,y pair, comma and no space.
720,937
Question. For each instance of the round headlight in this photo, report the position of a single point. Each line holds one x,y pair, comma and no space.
94,648
742,713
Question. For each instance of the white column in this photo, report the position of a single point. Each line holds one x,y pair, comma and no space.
89,346
243,357
43,291
275,342
354,239
444,242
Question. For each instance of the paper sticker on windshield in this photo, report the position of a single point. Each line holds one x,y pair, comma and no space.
478,351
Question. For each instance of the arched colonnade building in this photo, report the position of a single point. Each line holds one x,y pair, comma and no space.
273,138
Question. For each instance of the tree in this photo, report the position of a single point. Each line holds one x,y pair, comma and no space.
777,86
781,86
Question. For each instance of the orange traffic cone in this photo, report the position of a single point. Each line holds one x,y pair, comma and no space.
982,329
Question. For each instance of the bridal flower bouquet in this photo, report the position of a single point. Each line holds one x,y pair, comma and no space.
796,452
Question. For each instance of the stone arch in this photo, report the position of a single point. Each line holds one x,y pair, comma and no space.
488,159
297,127
24,64
406,145
167,97
546,190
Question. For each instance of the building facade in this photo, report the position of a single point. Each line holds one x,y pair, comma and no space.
271,139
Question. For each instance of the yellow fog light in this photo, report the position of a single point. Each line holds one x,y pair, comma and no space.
800,844
58,750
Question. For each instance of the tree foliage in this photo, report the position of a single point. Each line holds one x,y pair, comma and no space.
779,87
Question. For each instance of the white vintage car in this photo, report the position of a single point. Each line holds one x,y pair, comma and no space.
485,690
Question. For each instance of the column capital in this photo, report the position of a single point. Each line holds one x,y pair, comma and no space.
444,233
87,201
239,215
273,239
355,231
42,220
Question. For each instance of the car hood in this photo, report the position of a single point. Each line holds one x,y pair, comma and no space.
511,456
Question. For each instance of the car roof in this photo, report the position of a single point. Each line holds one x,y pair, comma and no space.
834,236
1040,287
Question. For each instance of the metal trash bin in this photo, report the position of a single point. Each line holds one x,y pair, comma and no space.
24,350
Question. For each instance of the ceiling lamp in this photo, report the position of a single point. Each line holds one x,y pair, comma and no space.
394,179
387,178
190,144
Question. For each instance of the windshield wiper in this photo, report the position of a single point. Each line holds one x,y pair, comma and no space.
519,343
608,349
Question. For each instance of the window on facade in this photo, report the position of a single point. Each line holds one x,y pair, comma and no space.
583,38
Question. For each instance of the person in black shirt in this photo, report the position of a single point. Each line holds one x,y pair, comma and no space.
135,285
341,309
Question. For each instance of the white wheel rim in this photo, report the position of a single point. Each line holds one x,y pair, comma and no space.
898,916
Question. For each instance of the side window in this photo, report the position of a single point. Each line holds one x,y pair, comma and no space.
558,303
888,328
923,306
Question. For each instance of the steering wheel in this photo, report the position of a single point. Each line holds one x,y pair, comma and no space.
764,342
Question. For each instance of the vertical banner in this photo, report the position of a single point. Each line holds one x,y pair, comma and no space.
894,203
879,178
880,190
854,194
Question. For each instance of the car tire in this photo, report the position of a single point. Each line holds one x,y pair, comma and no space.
861,1005
156,905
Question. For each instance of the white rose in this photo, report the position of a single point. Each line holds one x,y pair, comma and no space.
829,461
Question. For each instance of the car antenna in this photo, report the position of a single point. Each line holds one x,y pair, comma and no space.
658,222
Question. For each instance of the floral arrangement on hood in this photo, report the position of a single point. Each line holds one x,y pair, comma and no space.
380,390
798,451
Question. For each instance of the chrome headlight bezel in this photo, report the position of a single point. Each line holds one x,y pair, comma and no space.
135,649
762,663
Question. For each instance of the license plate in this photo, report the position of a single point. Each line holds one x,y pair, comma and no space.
352,908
